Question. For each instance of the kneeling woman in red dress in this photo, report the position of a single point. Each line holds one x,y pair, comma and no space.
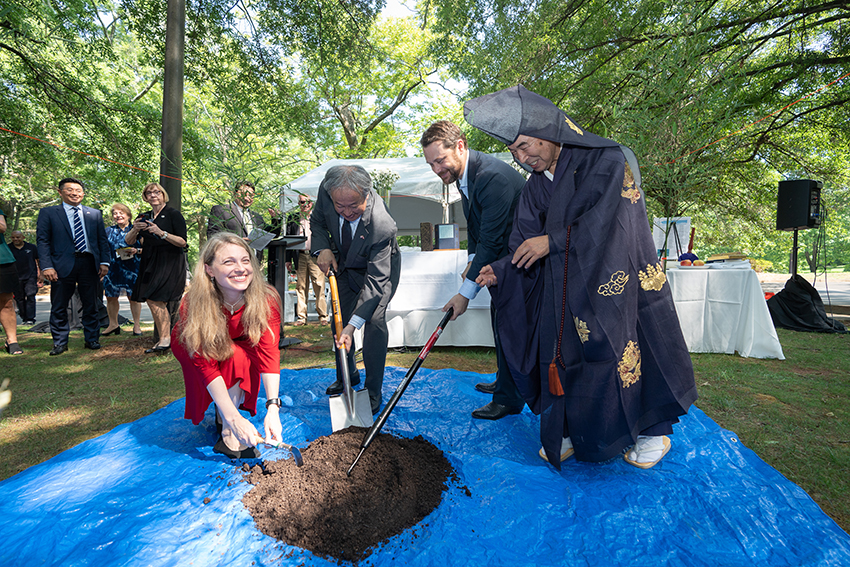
227,341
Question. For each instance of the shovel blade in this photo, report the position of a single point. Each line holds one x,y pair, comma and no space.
361,416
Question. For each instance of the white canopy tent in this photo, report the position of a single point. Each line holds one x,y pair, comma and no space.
418,195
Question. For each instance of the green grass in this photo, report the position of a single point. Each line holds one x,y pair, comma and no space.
792,413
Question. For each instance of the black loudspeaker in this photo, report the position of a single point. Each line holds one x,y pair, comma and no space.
798,204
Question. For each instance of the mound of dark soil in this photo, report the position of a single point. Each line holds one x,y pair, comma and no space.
318,507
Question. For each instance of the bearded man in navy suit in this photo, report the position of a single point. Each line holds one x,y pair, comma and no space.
490,190
74,255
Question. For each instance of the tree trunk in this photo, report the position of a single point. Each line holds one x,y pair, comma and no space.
202,231
812,258
349,125
171,160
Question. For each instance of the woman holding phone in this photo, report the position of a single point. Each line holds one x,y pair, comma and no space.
162,272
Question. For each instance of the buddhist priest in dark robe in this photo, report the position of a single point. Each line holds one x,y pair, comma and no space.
594,344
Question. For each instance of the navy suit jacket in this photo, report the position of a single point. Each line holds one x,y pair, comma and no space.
494,188
55,238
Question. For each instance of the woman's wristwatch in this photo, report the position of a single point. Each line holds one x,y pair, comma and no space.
273,401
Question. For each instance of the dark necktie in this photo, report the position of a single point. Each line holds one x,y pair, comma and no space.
346,240
79,236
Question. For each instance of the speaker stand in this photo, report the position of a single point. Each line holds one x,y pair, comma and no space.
794,249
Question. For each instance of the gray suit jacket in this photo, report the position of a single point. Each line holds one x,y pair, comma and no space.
230,219
373,264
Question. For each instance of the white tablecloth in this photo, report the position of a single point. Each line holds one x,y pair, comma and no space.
428,280
724,311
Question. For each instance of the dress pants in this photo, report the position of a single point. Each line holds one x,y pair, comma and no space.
375,340
84,278
506,392
308,270
25,303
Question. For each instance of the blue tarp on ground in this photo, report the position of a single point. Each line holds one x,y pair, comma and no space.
135,496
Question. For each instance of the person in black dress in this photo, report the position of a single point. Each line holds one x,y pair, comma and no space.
162,273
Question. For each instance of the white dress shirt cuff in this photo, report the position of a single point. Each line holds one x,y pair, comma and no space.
469,289
357,322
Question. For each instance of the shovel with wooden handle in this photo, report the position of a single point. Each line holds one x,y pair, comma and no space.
350,407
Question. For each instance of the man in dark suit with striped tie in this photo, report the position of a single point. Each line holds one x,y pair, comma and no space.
74,255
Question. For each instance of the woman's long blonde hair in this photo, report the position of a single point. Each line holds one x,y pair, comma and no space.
203,324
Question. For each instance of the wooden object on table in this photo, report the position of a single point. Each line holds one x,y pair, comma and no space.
727,256
426,234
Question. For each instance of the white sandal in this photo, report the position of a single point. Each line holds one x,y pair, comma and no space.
566,450
648,451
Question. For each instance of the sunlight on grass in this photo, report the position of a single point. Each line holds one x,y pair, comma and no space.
16,429
792,413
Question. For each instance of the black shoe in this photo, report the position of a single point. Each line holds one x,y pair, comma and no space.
94,345
495,411
58,350
336,387
486,387
157,349
376,406
115,331
249,453
13,348
135,334
218,425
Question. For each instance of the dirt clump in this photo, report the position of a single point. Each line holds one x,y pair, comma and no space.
397,482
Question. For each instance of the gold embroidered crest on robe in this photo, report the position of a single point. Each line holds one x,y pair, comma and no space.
630,191
573,127
615,286
581,329
629,366
653,279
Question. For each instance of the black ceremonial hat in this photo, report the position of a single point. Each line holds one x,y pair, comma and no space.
516,110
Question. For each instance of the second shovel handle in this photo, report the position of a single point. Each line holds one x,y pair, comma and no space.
335,303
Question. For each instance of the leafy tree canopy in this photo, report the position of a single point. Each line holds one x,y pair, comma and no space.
679,83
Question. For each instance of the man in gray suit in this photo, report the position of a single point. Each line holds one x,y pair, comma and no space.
239,219
236,217
489,189
353,233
